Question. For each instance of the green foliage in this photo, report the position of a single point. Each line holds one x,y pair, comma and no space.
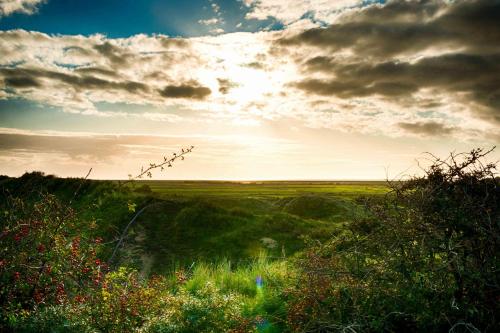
424,258
205,309
144,189
209,299
131,206
318,207
51,319
45,257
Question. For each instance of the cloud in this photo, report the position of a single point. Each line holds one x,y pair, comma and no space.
225,85
99,147
217,31
8,7
211,21
21,81
372,69
30,78
409,56
410,27
429,128
115,156
76,72
115,55
191,90
215,7
288,11
477,76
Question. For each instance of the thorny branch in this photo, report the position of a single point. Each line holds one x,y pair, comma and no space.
166,163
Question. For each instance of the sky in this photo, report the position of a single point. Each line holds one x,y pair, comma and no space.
264,89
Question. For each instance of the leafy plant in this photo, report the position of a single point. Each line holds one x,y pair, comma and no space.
46,256
424,258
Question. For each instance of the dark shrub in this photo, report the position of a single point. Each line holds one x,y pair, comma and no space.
425,258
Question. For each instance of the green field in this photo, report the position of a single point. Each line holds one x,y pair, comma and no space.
213,220
265,189
193,221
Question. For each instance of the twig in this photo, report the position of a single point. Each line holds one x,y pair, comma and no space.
167,162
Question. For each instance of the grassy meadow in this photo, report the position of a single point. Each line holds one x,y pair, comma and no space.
210,221
264,189
186,222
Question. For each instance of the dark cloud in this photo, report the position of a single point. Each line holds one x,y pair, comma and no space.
97,70
255,65
167,42
21,82
25,76
115,55
379,36
351,89
225,85
80,80
477,76
410,26
429,128
191,90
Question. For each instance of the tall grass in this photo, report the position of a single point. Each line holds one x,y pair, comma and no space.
242,278
259,284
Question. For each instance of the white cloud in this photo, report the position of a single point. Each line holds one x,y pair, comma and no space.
215,8
209,21
8,7
288,11
217,31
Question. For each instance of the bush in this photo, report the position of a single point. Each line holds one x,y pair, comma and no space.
46,259
425,258
204,310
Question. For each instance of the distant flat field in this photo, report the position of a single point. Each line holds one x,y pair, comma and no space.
261,189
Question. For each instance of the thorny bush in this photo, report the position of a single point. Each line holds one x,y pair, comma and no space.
425,257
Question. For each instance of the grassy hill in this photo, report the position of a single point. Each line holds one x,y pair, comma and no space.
188,221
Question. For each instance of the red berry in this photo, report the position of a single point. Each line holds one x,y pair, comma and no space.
25,230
